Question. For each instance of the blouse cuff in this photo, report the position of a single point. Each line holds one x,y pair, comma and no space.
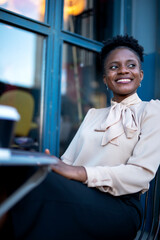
94,177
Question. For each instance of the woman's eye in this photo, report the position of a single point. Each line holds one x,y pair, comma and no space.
132,65
113,67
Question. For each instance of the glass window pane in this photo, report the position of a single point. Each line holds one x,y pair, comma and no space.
21,77
82,88
145,28
90,18
31,8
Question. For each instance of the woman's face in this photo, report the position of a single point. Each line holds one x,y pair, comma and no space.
123,73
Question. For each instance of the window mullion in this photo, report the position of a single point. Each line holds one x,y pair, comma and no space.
23,22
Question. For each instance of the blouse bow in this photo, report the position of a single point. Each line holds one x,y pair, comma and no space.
121,119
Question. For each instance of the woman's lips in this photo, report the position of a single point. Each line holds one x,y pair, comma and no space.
124,80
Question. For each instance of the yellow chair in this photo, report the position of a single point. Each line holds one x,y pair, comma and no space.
24,103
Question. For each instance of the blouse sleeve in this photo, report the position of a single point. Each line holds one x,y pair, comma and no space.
141,167
69,155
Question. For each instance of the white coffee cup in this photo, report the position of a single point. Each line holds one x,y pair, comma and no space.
8,118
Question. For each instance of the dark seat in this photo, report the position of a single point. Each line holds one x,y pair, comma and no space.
150,229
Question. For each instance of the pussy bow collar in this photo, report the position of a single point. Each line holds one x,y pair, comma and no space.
121,119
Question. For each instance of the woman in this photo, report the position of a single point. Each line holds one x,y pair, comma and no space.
94,193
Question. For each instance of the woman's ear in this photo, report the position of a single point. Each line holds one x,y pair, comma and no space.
141,75
104,79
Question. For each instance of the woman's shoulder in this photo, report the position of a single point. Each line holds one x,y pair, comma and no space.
153,104
95,112
92,111
152,107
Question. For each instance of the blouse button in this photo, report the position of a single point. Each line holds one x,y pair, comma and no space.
94,180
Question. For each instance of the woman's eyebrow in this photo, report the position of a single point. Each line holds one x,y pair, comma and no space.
113,62
128,60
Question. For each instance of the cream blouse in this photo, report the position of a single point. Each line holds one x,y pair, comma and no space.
119,146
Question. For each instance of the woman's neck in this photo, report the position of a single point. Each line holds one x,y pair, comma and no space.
120,98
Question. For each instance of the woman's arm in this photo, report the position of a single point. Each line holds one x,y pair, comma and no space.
71,172
65,167
136,174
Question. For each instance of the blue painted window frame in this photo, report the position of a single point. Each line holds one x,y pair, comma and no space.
55,36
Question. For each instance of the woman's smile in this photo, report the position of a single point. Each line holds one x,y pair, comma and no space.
123,80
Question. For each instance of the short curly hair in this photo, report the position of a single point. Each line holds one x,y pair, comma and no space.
121,41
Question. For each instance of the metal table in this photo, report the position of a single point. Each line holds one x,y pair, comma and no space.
43,162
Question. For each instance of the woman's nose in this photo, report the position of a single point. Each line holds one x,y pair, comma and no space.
123,70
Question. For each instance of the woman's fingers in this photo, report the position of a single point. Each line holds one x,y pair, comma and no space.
47,151
71,172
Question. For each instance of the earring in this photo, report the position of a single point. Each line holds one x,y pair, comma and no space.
106,86
140,84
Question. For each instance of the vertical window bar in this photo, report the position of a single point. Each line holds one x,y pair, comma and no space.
122,17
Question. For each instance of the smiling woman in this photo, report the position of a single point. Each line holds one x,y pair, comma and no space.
110,162
123,74
122,68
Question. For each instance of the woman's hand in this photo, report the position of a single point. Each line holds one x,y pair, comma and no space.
71,172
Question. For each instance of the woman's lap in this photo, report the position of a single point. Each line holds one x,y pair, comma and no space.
60,208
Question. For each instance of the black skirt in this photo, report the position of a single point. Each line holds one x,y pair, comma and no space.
61,209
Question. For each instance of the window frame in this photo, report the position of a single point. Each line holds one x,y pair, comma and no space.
52,30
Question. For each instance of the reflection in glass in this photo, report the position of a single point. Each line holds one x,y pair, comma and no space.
89,18
21,78
31,8
82,88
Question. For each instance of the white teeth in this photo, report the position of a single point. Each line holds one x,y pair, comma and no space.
124,80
